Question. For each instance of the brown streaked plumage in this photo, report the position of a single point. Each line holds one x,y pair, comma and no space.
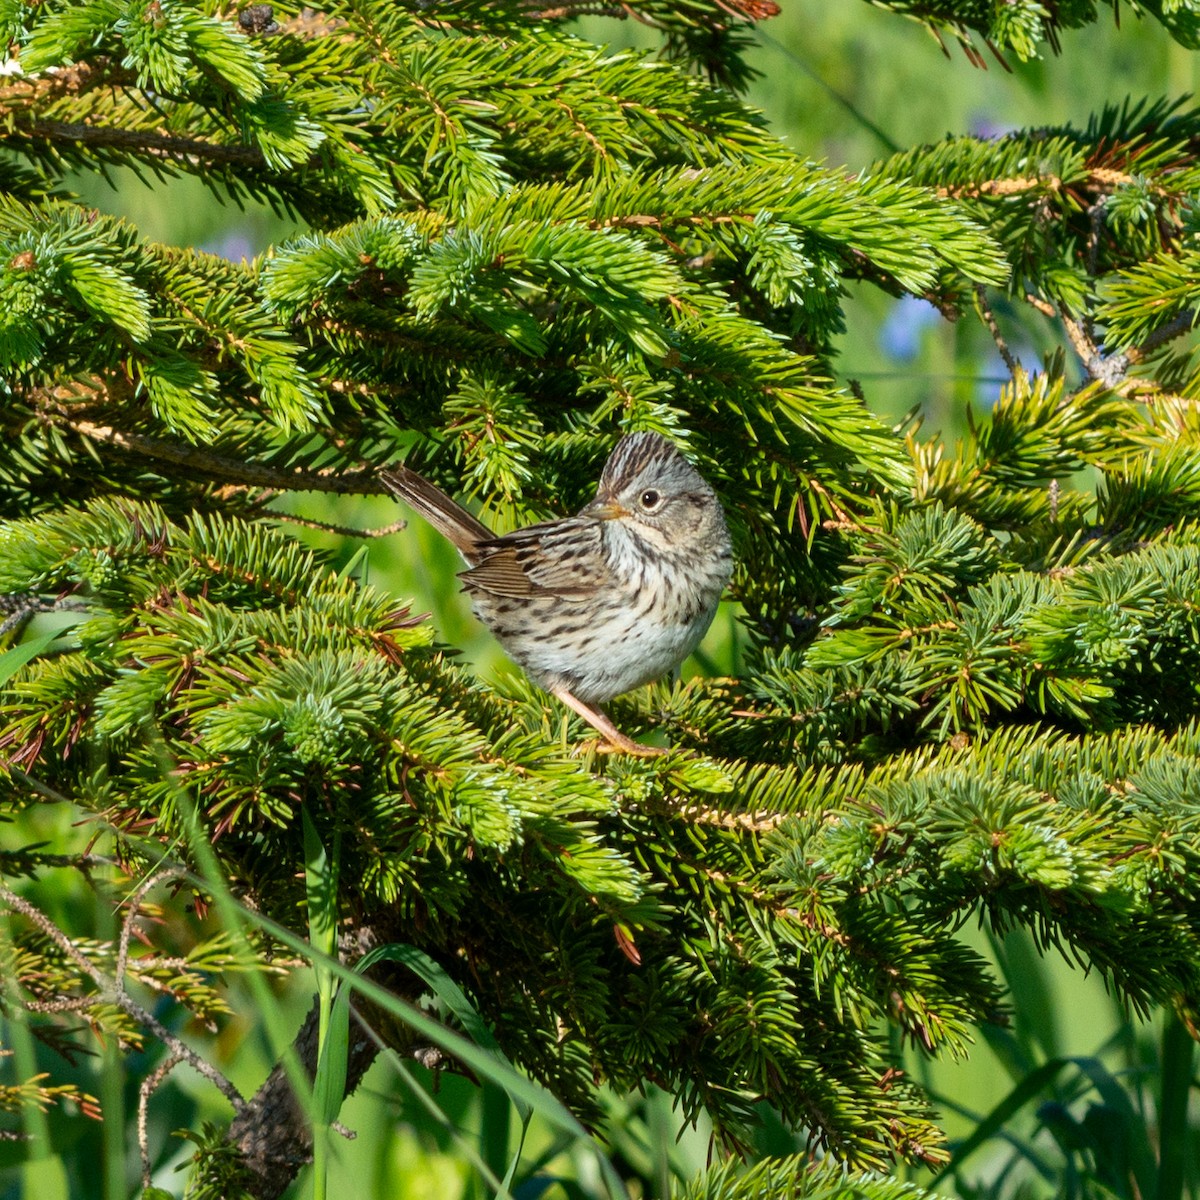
602,602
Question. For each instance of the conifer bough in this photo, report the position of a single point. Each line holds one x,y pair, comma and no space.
965,687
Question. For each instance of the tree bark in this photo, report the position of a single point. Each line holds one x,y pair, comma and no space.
273,1134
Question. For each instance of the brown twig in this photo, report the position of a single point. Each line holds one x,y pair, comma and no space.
114,993
163,146
762,821
1100,180
22,95
228,470
1043,306
989,319
1096,214
343,530
1109,370
1081,343
150,1085
1001,187
65,1004
1185,322
134,902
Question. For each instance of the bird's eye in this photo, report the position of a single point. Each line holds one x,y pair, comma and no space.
650,499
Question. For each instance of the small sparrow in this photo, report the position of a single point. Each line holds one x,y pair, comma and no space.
607,600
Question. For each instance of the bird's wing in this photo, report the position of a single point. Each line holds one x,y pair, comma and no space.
557,558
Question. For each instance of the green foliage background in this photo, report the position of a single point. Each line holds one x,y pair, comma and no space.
829,75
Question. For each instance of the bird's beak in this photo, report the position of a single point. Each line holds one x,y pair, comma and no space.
604,510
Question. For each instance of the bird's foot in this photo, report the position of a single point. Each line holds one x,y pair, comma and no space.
620,745
614,741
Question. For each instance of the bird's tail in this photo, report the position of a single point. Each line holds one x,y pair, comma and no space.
447,516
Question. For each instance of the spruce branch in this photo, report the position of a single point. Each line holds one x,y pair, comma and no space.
155,146
146,1089
22,98
989,319
224,469
1184,323
1022,26
111,990
967,684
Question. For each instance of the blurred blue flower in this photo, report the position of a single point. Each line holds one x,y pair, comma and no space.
900,334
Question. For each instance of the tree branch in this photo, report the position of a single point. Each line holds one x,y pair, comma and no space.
113,992
228,470
343,530
26,94
148,1087
1108,369
144,141
989,319
272,1132
1185,322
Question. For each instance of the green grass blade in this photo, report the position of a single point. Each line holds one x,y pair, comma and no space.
487,1063
1028,1089
1175,1139
11,661
329,1085
233,915
1119,1102
495,1131
500,1187
453,997
42,1174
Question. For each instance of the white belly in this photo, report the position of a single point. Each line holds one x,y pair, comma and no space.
619,649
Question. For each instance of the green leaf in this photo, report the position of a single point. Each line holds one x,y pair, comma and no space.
14,659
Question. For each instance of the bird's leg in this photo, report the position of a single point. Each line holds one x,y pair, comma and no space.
598,721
